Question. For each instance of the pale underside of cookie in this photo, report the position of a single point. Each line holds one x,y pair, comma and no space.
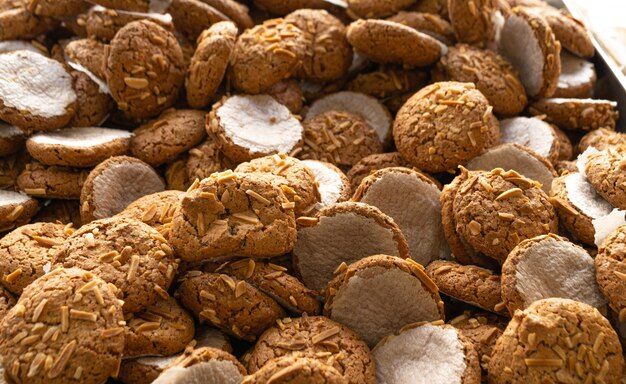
517,158
549,266
369,108
412,200
532,133
334,186
432,353
578,77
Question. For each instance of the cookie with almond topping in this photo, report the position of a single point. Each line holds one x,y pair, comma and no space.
428,23
88,53
571,114
6,302
206,365
156,210
290,369
18,22
610,271
601,139
103,23
52,182
475,21
15,209
605,170
289,93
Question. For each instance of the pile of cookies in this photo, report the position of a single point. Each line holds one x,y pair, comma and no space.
271,191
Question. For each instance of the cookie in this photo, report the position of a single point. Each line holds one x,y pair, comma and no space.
427,129
435,7
468,283
517,158
549,266
78,147
235,11
566,148
205,365
68,321
25,252
93,102
604,170
328,54
114,184
21,45
367,107
578,204
274,281
209,63
266,54
6,302
496,210
233,214
358,297
387,82
51,182
204,160
569,31
20,23
88,53
419,221
434,353
319,338
164,328
292,369
601,139
585,114
340,138
533,133
10,168
191,17
12,139
150,83
294,179
234,306
289,93
577,78
172,133
544,342
368,9
59,211
428,23
537,60
103,23
280,7
564,167
333,185
36,93
482,330
609,271
127,5
15,209
476,22
156,210
385,41
343,233
267,128
369,164
493,76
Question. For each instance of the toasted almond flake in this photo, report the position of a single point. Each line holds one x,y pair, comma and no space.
620,275
161,292
207,195
532,339
293,301
229,281
148,326
207,295
288,190
513,192
325,335
246,217
78,373
257,197
149,214
132,270
98,295
19,336
136,82
83,315
474,227
90,240
289,205
16,212
65,318
282,51
87,286
194,185
598,342
506,216
39,310
536,362
30,340
35,191
307,221
442,269
62,360
11,277
250,270
499,307
273,275
225,176
36,364
240,288
159,237
341,268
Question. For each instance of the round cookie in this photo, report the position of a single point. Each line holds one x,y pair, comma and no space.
577,79
564,167
7,301
566,148
164,328
36,93
605,171
427,23
235,11
26,253
359,297
585,114
578,204
93,102
476,22
372,9
569,31
538,59
369,164
114,184
518,158
482,330
12,139
126,5
191,17
496,210
420,220
266,54
610,271
172,133
102,23
493,76
434,353
328,55
209,63
156,210
20,23
428,130
468,283
601,139
435,7
289,93
267,127
315,337
549,266
234,306
340,138
281,7
51,182
273,280
333,185
204,160
533,133
343,233
59,211
292,369
78,147
385,41
294,179
68,321
10,168
367,107
543,342
15,209
88,53
125,252
233,214
388,82
204,365
151,83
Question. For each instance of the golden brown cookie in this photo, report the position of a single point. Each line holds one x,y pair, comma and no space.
93,101
605,171
68,322
156,210
12,139
369,164
292,369
149,84
482,330
230,214
15,209
544,341
585,114
204,160
88,53
476,22
281,7
51,182
59,211
289,93
601,139
205,365
234,306
428,130
191,17
125,252
102,23
533,133
387,82
18,22
6,302
496,210
569,31
610,271
577,79
428,23
209,63
127,5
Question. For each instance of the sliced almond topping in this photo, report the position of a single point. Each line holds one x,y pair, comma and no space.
148,326
136,82
620,275
240,288
207,295
257,197
16,212
36,364
325,335
543,362
474,227
506,216
513,192
39,310
83,315
149,214
289,205
62,360
341,268
132,270
229,281
11,277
